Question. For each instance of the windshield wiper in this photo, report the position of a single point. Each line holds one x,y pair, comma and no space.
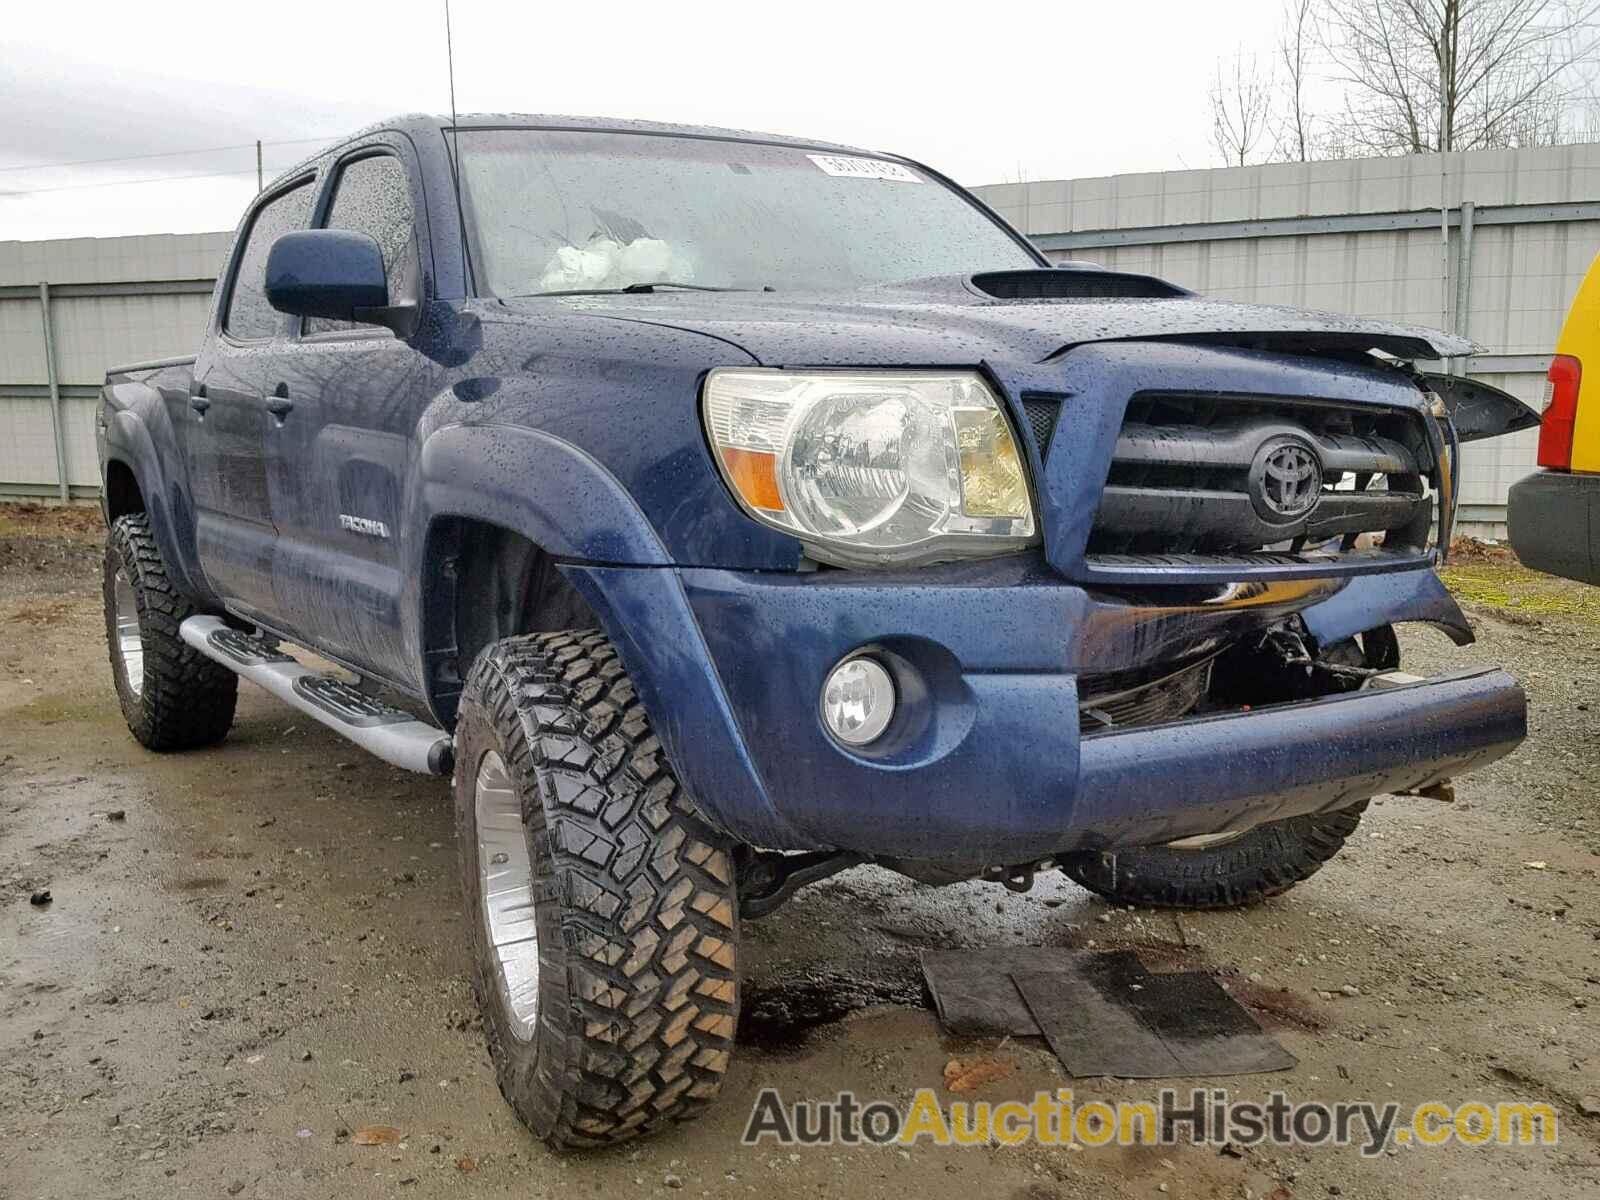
634,289
637,289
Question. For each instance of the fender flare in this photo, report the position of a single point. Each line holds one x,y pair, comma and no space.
569,505
528,481
128,440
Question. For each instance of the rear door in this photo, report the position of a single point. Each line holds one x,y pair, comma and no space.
340,453
226,426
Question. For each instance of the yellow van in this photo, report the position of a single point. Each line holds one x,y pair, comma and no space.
1554,514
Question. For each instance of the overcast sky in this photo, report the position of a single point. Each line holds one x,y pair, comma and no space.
984,92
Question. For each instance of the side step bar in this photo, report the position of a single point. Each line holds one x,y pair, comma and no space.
396,737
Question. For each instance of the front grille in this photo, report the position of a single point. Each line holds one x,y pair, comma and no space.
1164,699
1254,482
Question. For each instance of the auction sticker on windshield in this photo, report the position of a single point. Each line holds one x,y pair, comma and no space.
864,168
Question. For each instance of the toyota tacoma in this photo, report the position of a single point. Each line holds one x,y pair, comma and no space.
719,511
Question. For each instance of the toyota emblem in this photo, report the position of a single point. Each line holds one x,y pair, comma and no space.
1285,479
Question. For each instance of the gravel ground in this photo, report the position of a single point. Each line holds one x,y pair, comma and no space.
254,951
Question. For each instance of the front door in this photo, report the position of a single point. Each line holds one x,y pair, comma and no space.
226,423
340,451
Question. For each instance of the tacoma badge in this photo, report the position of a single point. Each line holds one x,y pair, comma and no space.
363,525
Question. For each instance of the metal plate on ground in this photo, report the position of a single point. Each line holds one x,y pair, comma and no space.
1102,1012
1103,1018
975,995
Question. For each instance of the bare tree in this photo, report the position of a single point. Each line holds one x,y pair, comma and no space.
1585,126
1295,43
1429,75
1241,107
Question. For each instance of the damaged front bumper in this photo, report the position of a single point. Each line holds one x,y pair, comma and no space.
1234,771
985,764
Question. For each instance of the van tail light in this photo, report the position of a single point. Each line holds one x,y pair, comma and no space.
1560,412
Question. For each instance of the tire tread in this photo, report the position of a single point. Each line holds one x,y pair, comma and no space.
648,930
187,701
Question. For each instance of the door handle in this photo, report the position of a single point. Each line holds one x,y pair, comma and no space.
198,400
279,404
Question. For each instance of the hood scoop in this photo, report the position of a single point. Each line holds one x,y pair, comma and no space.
1086,282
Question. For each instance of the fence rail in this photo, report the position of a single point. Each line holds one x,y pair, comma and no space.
57,338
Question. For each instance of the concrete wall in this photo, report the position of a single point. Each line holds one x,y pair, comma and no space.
1362,236
113,300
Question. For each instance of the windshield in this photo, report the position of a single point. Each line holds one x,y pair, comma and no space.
552,211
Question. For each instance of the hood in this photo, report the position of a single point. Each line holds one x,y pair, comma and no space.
953,320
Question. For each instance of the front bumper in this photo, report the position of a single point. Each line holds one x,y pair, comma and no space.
1224,773
1554,523
985,764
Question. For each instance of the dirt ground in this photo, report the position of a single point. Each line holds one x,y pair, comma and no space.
253,951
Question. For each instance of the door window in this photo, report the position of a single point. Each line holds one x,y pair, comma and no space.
373,196
249,315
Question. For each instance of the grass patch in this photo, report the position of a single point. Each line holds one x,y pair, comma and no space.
1509,585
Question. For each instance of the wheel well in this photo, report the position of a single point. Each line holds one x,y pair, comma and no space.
122,494
484,583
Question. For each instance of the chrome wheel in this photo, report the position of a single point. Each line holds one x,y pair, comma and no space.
505,879
130,646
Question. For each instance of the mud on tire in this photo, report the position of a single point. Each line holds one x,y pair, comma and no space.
1267,860
635,908
182,699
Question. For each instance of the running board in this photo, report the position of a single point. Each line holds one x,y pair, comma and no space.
395,736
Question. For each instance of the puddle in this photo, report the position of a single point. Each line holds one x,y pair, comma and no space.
49,937
781,1014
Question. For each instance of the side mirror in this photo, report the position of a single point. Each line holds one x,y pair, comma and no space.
1478,409
334,273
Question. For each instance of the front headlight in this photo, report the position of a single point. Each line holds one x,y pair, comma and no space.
872,468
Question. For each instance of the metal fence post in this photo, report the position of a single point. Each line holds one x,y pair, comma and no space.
1464,279
55,393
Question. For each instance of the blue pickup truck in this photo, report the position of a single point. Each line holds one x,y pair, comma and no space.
719,511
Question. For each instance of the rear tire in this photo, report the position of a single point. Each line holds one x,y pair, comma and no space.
619,1018
1266,861
173,697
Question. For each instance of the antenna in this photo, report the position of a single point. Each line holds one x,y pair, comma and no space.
450,62
455,152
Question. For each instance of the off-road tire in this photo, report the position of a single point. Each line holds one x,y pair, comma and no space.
1267,861
635,906
187,700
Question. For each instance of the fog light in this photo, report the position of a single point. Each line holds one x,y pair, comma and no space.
857,700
